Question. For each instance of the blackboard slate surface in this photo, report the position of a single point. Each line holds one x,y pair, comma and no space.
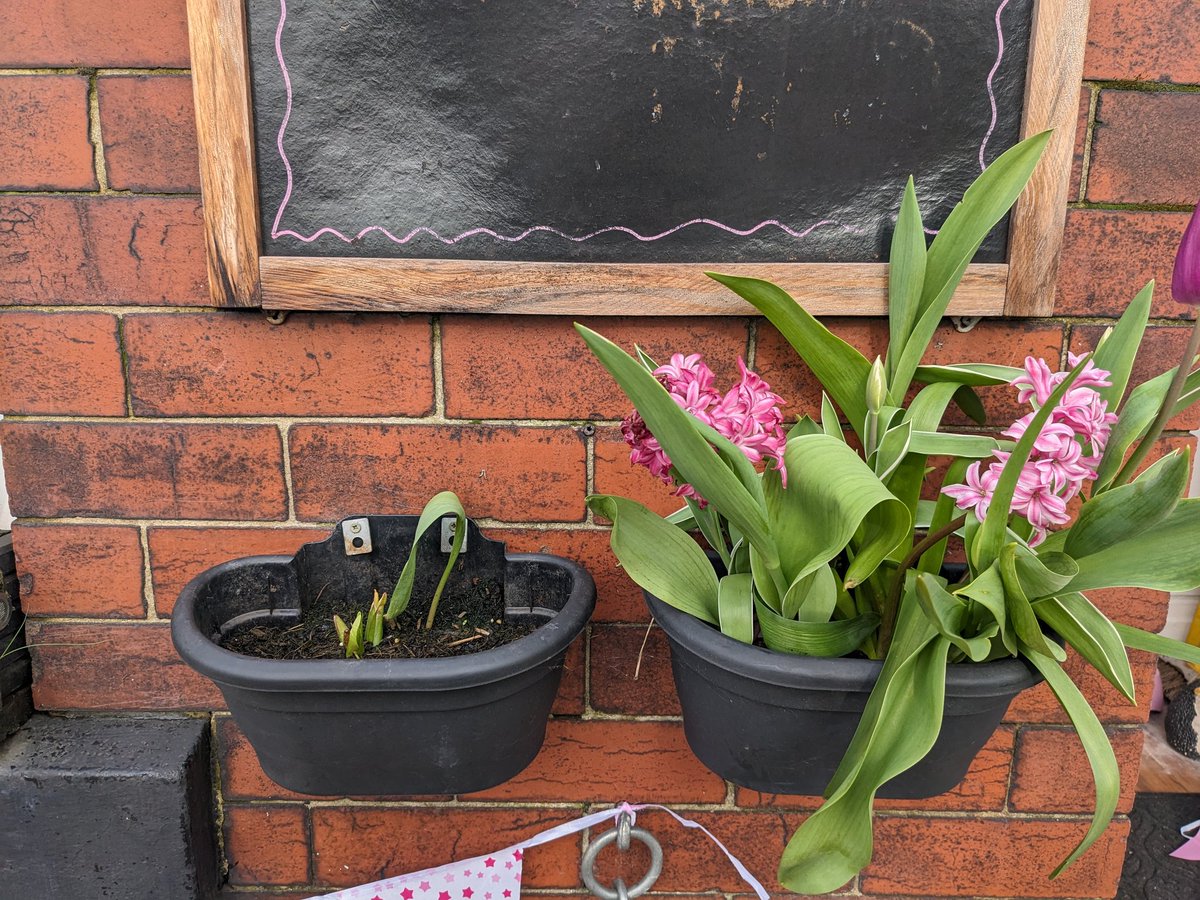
631,118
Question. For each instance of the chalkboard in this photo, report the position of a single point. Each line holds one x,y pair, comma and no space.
427,146
625,130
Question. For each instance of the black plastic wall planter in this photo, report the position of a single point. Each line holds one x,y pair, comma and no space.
780,724
396,726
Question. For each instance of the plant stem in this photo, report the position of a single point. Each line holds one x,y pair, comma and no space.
1166,410
892,605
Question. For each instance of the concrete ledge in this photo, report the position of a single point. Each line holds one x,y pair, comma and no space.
116,807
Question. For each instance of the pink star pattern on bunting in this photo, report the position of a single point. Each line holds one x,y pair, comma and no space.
504,883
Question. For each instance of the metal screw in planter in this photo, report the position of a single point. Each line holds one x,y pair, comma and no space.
622,834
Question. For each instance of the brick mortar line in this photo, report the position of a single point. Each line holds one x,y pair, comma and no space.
149,603
289,489
277,524
461,805
107,192
93,70
127,381
1141,87
281,420
437,367
112,309
95,137
148,310
1114,206
1089,135
218,784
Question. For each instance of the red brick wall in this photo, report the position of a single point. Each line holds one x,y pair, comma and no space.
149,437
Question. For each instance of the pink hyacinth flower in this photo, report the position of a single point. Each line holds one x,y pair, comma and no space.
1058,465
748,415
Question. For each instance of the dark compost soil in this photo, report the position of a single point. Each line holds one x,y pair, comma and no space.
465,624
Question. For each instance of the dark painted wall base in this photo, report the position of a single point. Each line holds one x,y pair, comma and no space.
120,808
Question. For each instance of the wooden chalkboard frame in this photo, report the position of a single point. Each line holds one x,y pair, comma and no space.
240,277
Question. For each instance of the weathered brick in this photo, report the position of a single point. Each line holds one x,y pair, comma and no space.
79,32
177,555
628,679
1161,350
148,124
80,570
692,863
1037,705
267,845
487,361
1137,154
599,761
1044,754
1152,40
44,131
353,845
618,599
63,250
111,667
515,474
983,789
1139,607
151,470
320,364
1110,255
60,364
974,857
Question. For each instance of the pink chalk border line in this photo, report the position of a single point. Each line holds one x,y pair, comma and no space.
277,232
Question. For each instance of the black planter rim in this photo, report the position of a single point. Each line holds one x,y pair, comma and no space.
397,675
999,678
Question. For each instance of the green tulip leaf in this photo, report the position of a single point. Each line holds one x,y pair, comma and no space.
828,639
1017,604
836,842
1125,511
831,498
812,597
659,557
735,607
831,424
983,205
1141,406
1073,618
970,374
840,368
1162,557
906,274
893,447
947,613
439,506
987,589
1095,744
1137,639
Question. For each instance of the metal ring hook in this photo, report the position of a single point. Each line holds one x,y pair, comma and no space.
623,835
